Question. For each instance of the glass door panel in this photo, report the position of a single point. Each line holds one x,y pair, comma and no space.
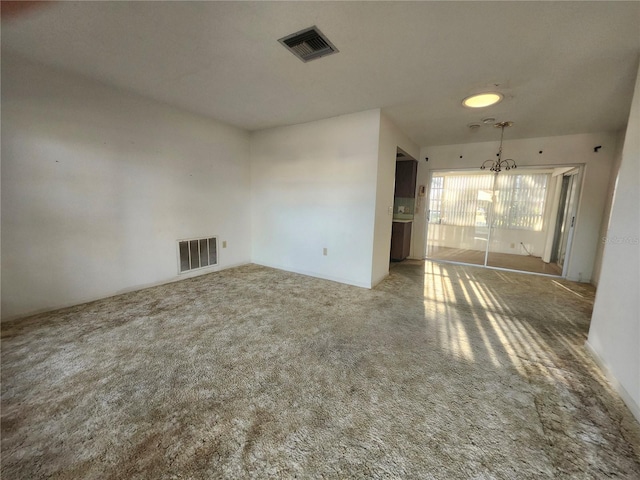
519,230
458,217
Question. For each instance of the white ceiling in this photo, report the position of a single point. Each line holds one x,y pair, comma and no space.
564,67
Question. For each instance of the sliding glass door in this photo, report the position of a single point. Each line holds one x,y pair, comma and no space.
504,221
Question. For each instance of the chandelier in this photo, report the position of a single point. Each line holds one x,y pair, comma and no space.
499,164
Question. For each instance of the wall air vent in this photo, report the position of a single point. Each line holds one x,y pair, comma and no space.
197,253
308,44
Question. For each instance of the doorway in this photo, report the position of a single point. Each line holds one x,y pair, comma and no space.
517,220
403,205
566,217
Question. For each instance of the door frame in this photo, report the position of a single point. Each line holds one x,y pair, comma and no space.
576,188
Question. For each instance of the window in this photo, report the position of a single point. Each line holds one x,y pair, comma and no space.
460,199
520,201
466,200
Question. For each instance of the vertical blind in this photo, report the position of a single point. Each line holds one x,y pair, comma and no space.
520,201
466,200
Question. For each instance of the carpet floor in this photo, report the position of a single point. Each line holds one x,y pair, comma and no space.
442,371
523,263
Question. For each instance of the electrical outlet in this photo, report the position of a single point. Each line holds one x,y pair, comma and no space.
324,251
224,244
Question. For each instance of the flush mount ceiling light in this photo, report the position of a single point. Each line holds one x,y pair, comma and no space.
499,164
480,100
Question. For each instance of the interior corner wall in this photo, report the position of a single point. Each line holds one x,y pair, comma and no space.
556,151
614,334
391,137
313,187
98,185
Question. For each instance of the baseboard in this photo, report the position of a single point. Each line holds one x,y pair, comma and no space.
634,408
316,275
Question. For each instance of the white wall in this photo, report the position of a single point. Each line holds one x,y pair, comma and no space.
604,224
614,335
560,150
313,186
97,186
390,139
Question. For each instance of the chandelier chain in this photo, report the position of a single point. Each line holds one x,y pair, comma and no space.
497,165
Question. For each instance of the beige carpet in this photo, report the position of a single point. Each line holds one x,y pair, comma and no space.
443,371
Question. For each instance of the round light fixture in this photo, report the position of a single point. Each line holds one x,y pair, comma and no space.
480,100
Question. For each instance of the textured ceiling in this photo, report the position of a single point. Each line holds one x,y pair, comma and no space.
564,67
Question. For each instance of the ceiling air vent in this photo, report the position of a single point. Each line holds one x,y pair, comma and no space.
308,44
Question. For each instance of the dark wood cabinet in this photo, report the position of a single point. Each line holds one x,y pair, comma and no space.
406,174
400,240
